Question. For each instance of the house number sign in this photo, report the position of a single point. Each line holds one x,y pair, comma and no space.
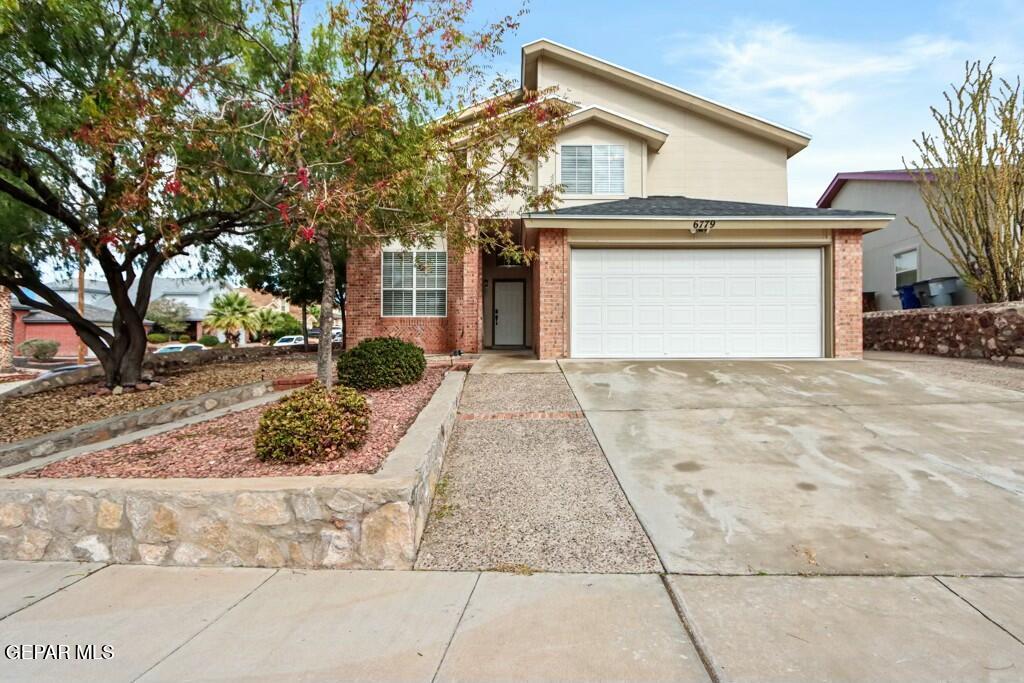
702,227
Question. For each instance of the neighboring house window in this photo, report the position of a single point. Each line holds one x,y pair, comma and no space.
414,283
906,267
594,169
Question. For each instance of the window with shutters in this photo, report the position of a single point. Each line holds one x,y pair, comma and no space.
593,169
414,283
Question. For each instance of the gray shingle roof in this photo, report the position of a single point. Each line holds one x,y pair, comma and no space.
92,313
689,207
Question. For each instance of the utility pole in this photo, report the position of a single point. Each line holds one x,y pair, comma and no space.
81,300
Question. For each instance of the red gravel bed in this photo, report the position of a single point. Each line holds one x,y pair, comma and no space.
16,376
223,447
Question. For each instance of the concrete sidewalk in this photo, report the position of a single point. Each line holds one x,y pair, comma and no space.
126,623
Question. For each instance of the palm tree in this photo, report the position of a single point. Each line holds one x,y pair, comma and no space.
263,323
231,313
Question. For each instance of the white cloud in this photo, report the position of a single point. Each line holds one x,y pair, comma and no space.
772,67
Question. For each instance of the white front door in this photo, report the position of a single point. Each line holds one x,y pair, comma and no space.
696,303
509,302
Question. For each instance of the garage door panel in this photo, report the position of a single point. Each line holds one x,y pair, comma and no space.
710,303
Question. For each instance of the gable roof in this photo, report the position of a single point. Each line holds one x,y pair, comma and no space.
653,136
680,207
840,179
793,140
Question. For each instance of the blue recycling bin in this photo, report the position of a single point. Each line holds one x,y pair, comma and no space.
908,299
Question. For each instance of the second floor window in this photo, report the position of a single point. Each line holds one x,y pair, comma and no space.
594,169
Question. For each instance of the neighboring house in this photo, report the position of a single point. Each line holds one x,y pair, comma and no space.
897,255
197,294
673,240
32,323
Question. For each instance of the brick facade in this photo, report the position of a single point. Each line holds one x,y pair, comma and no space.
551,294
461,328
847,265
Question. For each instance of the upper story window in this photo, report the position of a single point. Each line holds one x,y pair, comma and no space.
594,169
905,264
414,283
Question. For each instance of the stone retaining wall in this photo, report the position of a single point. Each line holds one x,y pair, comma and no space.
159,363
993,331
101,430
359,521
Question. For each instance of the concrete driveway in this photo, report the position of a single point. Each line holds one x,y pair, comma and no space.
813,467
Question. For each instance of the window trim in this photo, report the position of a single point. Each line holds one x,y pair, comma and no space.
917,265
414,288
592,194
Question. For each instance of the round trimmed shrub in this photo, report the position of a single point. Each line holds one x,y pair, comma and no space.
39,349
209,340
313,424
184,338
157,338
381,363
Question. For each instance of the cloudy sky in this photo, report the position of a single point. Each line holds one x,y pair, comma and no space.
858,76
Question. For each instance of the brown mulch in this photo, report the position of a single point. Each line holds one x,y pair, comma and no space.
16,377
65,407
223,447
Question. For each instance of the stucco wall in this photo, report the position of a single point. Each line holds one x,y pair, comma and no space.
902,199
701,158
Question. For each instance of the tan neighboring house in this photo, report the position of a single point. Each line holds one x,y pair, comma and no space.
899,254
673,239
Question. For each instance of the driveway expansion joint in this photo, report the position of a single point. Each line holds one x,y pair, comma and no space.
978,609
526,415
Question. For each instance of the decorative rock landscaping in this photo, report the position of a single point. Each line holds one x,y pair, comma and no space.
101,430
993,331
342,521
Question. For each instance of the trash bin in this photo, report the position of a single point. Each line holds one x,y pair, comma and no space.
942,289
923,293
908,299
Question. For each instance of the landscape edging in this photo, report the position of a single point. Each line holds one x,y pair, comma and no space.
119,425
355,521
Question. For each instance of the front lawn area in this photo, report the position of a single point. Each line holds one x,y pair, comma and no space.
65,407
223,447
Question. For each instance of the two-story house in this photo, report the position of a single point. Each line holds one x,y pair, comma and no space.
673,239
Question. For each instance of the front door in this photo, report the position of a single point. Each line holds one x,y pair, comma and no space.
509,301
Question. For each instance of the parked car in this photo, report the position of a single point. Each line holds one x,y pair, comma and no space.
336,336
65,368
178,348
291,340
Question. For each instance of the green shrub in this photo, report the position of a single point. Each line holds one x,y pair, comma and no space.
380,363
39,349
157,338
285,325
209,340
313,424
184,338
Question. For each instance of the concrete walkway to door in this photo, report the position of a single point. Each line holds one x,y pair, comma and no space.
525,485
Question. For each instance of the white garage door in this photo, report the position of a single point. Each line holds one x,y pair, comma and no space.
696,303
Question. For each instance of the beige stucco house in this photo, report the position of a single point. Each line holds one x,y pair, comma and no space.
673,238
899,254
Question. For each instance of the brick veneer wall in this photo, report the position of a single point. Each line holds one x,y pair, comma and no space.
551,294
460,329
848,263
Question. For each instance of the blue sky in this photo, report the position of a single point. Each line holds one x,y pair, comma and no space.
858,76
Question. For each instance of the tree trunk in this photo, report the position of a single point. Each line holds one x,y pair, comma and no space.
305,329
324,364
6,331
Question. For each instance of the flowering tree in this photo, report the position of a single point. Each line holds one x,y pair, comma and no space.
360,148
113,143
140,131
971,178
